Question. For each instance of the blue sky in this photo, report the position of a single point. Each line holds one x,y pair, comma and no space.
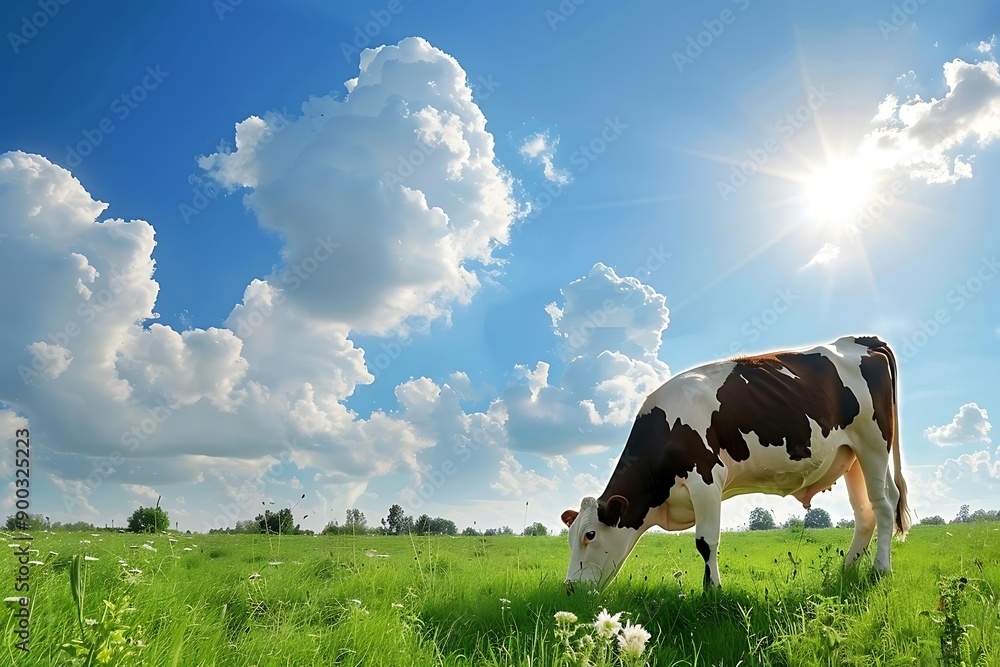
445,271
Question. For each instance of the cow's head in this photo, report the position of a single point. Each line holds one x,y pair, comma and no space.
598,548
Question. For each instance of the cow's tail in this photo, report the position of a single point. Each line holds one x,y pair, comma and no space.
902,508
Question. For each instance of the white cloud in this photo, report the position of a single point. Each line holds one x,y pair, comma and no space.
987,45
540,147
886,108
924,139
514,480
824,255
142,491
374,242
971,424
588,485
609,330
558,463
976,474
390,201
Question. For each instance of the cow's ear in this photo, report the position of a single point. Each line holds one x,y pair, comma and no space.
616,508
569,516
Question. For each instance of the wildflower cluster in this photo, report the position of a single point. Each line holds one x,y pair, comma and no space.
603,642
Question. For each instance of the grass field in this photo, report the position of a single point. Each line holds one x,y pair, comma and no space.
490,601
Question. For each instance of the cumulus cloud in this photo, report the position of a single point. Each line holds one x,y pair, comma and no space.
390,200
986,46
142,491
971,424
541,148
609,333
390,206
588,485
967,472
514,480
926,139
824,255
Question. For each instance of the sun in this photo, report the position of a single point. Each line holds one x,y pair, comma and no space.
837,191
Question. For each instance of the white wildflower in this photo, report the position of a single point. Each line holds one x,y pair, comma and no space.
188,549
633,639
396,605
90,621
567,617
607,626
91,558
255,575
149,547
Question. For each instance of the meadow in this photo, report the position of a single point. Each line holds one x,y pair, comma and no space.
377,600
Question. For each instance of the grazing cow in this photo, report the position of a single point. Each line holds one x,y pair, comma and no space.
787,423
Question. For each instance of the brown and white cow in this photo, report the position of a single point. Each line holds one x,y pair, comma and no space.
787,423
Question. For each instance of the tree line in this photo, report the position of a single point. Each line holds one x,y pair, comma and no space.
761,519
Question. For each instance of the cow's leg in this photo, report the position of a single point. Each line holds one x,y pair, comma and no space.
707,502
864,517
875,466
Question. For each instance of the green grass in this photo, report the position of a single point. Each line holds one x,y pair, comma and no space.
786,599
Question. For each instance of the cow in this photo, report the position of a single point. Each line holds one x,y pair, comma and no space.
785,423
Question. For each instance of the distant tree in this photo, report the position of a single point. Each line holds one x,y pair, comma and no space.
276,522
441,526
793,522
422,526
932,521
332,528
356,521
31,523
536,529
984,515
845,523
471,532
963,515
148,520
761,519
397,523
246,527
505,530
817,518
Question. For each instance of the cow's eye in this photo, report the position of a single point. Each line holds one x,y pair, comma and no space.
590,535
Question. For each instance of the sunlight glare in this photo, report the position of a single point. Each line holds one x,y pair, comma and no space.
839,190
